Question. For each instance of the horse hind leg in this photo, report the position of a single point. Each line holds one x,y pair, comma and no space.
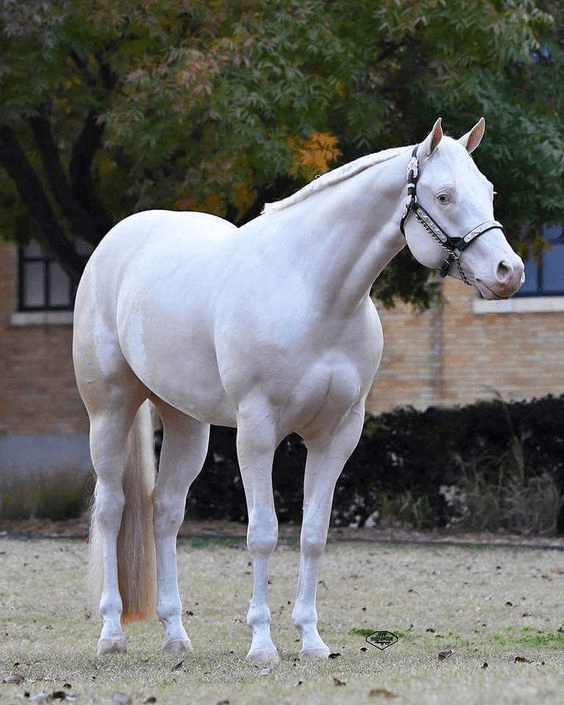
112,395
109,431
184,448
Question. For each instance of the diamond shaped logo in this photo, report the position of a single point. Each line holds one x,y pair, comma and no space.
381,639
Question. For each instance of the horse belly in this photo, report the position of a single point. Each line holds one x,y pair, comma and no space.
174,360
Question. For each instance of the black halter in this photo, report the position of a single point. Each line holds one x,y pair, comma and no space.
453,245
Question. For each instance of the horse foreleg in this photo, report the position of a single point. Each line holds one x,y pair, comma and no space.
255,448
325,461
185,443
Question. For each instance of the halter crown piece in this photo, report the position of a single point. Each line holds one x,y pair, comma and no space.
453,245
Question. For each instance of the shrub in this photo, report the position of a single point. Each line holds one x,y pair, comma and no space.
503,463
55,493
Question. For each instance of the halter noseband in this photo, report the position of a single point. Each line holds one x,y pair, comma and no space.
453,245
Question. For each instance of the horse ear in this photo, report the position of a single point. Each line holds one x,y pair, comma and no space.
473,138
431,142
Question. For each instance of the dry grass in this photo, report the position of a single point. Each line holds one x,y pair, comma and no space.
487,605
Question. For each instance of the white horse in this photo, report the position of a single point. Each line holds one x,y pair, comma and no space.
269,328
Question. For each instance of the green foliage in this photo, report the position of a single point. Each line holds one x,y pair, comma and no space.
122,105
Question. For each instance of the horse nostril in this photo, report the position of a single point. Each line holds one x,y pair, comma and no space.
503,272
509,274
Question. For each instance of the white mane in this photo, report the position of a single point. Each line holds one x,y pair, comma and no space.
334,177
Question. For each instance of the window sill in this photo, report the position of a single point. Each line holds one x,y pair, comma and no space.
522,304
41,318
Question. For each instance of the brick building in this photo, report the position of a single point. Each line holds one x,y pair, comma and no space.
470,349
42,420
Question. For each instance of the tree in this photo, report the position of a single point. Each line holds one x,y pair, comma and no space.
112,106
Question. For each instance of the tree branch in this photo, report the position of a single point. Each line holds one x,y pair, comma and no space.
54,173
87,144
16,164
83,153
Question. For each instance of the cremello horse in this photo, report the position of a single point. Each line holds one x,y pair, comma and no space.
269,328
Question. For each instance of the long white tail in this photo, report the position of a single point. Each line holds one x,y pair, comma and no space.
135,543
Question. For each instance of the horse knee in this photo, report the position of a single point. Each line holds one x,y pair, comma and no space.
262,534
313,541
109,508
168,513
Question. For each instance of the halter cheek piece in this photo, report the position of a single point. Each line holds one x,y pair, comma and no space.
455,246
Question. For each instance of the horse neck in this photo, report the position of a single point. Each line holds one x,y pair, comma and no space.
347,233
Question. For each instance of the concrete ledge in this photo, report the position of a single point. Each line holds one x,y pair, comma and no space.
520,304
41,318
24,456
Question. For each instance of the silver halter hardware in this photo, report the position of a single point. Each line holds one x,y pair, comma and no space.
453,245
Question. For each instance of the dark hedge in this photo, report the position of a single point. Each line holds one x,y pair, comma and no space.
407,454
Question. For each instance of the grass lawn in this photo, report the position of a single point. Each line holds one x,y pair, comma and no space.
500,611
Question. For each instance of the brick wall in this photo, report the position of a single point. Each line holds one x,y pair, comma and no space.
454,356
39,394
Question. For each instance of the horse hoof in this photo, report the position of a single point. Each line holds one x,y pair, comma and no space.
263,656
319,653
111,645
176,646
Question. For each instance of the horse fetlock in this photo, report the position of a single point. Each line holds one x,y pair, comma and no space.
313,645
305,619
258,617
262,646
174,633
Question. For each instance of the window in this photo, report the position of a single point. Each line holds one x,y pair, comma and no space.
43,285
546,279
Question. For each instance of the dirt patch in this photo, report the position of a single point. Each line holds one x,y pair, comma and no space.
78,529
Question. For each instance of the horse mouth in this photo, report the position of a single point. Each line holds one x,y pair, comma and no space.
487,293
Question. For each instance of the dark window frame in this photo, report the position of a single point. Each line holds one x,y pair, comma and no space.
48,293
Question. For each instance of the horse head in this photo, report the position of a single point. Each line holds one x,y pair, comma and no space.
448,223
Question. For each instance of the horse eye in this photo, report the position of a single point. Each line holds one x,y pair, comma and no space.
443,198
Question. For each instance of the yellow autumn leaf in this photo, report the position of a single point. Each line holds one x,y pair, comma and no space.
313,155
